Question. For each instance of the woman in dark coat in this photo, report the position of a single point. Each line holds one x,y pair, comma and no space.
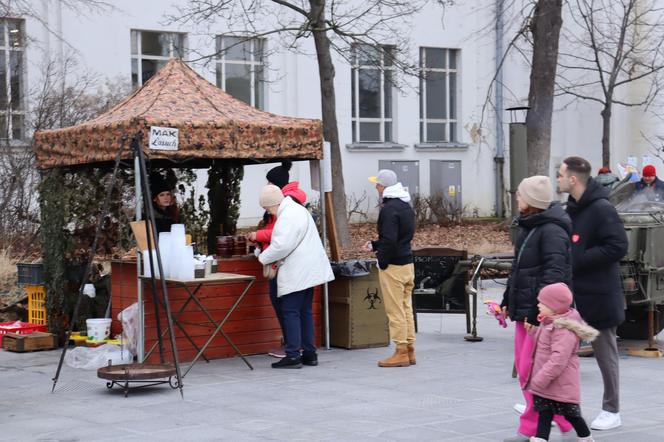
542,256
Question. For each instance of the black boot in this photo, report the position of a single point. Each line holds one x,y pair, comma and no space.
288,363
310,359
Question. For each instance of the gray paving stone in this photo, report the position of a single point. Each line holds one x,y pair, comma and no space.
458,391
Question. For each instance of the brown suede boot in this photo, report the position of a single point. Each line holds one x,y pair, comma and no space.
398,359
411,354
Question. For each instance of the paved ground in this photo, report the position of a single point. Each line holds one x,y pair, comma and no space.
458,391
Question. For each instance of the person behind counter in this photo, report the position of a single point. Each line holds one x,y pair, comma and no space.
166,212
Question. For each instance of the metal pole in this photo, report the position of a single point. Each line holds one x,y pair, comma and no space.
164,290
140,345
499,160
88,267
471,291
323,223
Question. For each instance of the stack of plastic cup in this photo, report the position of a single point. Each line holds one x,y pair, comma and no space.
186,270
164,250
177,234
146,263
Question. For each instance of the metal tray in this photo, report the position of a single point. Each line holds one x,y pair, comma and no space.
131,372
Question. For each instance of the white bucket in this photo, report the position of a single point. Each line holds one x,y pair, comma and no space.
99,328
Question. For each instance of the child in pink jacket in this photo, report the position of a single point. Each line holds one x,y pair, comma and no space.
554,378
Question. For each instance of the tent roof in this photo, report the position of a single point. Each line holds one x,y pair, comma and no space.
211,124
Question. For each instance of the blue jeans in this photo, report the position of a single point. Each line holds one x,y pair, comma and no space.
275,305
298,322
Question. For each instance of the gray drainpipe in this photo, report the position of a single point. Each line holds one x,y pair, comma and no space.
499,159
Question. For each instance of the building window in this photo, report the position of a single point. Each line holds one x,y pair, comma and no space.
438,95
150,51
372,77
240,68
12,110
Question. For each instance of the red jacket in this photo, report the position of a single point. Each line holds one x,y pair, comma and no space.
292,189
554,373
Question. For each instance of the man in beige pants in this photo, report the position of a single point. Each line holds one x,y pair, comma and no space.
396,226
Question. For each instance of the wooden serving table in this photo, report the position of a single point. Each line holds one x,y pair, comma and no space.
191,287
253,326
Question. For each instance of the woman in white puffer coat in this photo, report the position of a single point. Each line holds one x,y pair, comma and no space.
303,264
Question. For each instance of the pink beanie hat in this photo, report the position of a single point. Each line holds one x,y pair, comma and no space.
557,297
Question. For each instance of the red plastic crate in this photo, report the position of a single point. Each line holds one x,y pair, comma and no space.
23,328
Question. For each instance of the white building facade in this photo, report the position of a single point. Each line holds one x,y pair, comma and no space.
441,133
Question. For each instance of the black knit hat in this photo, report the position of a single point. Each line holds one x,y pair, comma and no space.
159,184
279,175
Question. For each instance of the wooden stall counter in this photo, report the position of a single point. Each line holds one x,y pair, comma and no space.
253,326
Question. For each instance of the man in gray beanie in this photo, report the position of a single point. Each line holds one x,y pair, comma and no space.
396,227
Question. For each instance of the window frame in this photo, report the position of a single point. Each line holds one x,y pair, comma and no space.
452,136
9,112
221,62
139,56
356,119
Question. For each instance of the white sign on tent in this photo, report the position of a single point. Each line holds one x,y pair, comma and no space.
164,138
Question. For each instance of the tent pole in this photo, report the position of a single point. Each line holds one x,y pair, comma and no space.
88,268
140,345
326,300
164,290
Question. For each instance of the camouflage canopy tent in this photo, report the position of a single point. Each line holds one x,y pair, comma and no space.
211,124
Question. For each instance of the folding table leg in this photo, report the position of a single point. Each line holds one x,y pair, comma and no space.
218,329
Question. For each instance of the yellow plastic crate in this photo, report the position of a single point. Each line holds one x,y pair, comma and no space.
36,304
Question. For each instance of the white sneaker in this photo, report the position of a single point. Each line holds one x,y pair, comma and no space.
606,421
569,436
519,408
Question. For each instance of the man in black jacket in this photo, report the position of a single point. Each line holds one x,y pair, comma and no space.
599,243
396,226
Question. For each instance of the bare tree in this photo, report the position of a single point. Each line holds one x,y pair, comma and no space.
334,25
35,11
59,100
545,28
620,43
655,145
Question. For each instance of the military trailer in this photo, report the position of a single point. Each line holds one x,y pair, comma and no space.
642,268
